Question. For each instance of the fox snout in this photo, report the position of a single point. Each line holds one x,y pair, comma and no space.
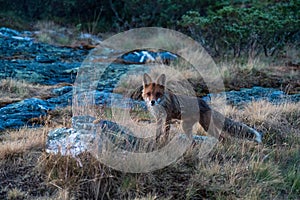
153,92
155,102
152,103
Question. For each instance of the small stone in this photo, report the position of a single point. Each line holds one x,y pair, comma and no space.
44,59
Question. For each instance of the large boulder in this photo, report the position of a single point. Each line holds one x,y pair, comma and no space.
85,134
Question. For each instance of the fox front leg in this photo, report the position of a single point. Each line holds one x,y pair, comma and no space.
167,125
187,128
159,129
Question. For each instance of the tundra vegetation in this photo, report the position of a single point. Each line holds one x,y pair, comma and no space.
254,43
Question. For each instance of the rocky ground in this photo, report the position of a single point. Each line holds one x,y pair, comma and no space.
55,68
23,58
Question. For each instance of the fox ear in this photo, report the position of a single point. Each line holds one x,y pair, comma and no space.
161,80
147,79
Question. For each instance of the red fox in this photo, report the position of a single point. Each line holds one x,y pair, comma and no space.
164,105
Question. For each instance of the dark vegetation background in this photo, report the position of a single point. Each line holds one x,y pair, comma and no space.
226,28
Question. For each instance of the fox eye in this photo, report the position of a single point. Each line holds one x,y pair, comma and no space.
148,94
158,94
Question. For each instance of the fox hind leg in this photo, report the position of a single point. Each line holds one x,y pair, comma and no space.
188,128
159,128
167,128
162,130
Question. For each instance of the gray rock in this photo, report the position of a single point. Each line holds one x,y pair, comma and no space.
43,73
62,100
82,122
7,32
68,141
13,34
86,136
246,95
44,59
62,90
36,62
145,56
17,115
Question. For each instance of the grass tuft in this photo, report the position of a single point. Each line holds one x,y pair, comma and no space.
15,194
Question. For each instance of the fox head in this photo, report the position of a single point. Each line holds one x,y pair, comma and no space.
153,92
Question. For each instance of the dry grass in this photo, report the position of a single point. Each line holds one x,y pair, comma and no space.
55,34
16,142
179,79
52,33
15,194
231,173
257,72
233,169
233,75
16,90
